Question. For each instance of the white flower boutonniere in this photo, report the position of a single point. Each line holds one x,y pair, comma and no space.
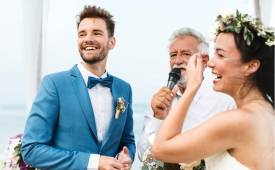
120,106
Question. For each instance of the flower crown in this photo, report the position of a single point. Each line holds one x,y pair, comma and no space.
243,23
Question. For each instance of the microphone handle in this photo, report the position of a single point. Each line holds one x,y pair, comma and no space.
171,84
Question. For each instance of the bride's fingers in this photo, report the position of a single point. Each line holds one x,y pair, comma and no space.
200,64
198,61
193,60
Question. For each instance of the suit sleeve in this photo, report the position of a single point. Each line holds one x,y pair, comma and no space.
128,138
39,131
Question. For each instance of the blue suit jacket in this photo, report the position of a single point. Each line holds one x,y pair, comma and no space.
60,131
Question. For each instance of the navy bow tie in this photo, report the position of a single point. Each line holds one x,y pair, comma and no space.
106,82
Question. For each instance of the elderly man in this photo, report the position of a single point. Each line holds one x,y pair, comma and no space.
183,44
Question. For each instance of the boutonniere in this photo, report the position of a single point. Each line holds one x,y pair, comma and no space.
120,106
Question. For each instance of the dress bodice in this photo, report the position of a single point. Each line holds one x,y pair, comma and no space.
223,161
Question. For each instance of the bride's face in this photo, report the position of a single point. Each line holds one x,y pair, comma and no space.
226,64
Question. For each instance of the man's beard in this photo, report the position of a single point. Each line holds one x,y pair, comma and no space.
97,57
182,82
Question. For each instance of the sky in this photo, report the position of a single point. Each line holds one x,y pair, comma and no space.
142,32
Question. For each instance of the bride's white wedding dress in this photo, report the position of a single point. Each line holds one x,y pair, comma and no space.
223,161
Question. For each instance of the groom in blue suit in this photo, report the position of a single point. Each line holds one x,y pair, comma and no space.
82,118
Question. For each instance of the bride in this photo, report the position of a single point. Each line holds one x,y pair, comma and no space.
239,139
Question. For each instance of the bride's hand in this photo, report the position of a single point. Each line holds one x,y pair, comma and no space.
195,68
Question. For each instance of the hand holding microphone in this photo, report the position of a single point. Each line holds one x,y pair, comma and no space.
162,100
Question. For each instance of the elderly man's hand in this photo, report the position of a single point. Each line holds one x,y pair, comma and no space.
161,102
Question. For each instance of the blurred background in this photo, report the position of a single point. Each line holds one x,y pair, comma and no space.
39,37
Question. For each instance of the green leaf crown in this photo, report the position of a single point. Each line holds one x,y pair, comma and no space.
243,23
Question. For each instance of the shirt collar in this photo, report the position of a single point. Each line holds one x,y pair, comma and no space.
86,73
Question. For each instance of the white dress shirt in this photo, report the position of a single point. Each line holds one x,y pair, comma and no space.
101,100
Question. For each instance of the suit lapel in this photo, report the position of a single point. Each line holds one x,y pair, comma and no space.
83,98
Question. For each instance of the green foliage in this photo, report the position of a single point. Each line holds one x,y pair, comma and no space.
245,25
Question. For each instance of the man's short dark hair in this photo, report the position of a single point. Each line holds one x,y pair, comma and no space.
97,12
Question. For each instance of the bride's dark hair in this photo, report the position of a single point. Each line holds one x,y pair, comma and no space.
264,76
254,41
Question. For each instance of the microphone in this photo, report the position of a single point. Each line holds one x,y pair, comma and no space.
174,77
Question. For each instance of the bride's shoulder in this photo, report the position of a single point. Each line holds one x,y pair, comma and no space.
258,111
238,114
237,120
248,119
250,111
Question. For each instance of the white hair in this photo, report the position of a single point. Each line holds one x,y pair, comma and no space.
186,31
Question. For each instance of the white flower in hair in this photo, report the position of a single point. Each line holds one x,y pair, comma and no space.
245,25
